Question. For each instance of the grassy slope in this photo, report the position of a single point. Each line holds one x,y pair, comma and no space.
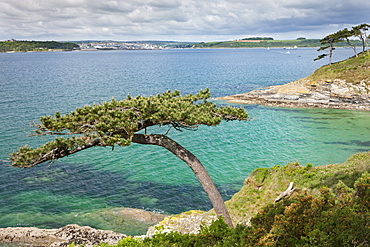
265,184
354,70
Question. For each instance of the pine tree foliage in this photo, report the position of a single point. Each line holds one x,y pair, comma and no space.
116,122
344,35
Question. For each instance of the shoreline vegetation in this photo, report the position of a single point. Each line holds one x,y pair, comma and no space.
10,46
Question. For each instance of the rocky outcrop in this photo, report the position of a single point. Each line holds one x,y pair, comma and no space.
187,222
125,217
337,94
59,237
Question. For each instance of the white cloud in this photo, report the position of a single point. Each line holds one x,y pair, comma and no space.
185,20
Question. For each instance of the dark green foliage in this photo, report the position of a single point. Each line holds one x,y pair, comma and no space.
218,234
320,57
338,217
343,37
259,38
362,193
15,45
360,31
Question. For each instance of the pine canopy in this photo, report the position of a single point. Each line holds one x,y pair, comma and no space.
117,122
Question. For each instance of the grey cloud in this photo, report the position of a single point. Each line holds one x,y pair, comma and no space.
175,19
167,4
106,7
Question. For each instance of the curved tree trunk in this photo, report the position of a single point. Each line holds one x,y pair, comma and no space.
198,169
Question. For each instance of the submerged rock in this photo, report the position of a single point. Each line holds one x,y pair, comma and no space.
125,220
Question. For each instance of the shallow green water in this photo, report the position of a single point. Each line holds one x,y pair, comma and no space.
77,188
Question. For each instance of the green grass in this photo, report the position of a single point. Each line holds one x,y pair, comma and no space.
354,70
265,184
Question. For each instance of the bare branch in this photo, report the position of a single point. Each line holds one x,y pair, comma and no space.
288,192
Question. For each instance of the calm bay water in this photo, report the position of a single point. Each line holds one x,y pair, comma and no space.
73,189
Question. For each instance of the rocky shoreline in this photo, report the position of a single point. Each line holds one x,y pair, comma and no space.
304,93
187,222
32,236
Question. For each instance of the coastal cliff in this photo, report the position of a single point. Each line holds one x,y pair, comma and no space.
343,85
266,186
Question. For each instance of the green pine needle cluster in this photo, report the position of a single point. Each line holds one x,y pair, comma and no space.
115,122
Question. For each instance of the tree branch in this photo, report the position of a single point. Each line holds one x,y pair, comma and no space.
288,192
58,153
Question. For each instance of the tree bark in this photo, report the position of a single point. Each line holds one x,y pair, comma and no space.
352,46
192,161
331,53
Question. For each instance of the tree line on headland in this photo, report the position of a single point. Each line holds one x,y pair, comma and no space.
260,43
26,46
343,36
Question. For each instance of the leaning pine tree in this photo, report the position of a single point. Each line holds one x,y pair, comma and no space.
123,122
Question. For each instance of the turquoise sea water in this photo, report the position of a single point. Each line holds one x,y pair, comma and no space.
76,188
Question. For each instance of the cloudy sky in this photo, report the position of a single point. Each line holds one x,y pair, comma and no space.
177,20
